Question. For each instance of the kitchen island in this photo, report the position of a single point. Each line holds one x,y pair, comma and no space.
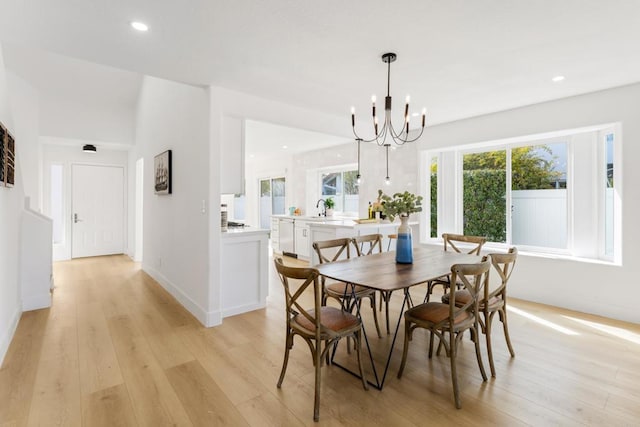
336,229
244,274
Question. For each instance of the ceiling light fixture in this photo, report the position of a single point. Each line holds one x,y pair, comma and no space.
387,129
89,148
140,26
358,176
387,180
557,79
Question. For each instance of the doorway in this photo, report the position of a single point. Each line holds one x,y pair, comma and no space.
137,254
97,198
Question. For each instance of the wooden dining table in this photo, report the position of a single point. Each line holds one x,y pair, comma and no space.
381,272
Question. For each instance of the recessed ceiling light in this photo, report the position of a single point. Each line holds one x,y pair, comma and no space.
285,147
140,26
557,79
415,114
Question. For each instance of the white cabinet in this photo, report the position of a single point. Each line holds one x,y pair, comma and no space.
303,245
232,156
244,272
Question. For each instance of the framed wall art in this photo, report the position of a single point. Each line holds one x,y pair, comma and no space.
3,132
162,173
10,161
7,158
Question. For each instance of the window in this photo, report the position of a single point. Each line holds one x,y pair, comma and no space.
433,196
609,196
342,187
537,193
272,199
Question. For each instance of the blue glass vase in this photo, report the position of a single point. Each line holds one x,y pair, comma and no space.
404,246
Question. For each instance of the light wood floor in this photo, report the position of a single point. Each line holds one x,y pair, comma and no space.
116,349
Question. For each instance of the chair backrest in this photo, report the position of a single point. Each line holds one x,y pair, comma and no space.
293,294
368,244
503,264
454,239
475,280
332,250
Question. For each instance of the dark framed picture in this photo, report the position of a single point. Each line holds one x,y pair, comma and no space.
162,173
10,161
3,133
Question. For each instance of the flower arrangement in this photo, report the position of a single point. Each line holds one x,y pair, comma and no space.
400,204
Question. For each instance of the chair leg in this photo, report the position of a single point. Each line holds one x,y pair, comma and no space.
487,334
429,290
375,315
453,345
431,337
316,400
407,327
478,355
503,318
286,359
358,341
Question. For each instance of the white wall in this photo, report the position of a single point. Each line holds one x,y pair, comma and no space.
602,289
174,116
71,119
67,155
11,203
25,108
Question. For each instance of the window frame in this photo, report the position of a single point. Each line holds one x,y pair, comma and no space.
351,167
596,194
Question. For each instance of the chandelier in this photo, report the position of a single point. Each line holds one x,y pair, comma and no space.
387,129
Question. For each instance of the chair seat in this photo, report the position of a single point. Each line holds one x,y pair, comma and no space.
462,297
435,312
332,318
340,289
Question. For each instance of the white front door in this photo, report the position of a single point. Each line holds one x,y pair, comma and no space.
97,210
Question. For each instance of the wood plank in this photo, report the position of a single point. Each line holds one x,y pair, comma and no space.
204,401
20,366
108,407
56,396
154,400
99,367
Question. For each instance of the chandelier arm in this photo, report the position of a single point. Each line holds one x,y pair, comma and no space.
414,139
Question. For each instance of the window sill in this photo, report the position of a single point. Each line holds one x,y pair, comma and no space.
497,247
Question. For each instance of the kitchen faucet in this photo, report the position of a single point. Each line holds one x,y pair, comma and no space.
323,212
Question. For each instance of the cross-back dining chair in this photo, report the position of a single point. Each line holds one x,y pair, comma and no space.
449,321
494,301
344,293
461,244
315,326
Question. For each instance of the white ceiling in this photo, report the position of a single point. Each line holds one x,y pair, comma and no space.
457,58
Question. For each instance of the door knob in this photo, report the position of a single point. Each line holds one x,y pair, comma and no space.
75,218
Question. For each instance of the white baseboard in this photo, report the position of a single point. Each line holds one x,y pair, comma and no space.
232,311
37,302
206,318
7,335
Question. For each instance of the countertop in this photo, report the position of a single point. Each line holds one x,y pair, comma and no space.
352,224
243,232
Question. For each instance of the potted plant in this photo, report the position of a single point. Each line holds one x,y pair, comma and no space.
329,204
402,205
